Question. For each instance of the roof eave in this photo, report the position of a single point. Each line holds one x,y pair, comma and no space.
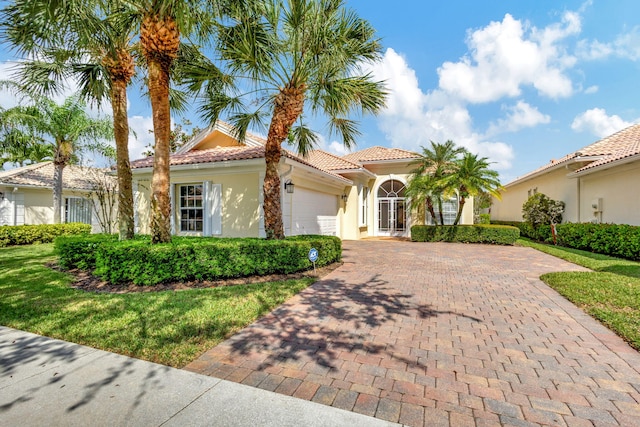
625,160
373,162
556,166
355,171
336,178
204,165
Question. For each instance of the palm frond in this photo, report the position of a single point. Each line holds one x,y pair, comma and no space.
303,139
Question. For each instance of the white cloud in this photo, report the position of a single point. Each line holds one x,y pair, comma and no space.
597,122
591,89
333,147
414,118
522,115
505,56
626,45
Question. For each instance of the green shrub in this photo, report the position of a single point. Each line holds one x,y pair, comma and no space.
80,251
484,218
201,258
29,234
540,210
618,240
479,233
541,234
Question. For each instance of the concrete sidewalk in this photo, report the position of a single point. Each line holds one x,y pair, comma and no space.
50,382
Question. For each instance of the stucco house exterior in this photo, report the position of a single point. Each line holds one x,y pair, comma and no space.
596,183
26,195
216,190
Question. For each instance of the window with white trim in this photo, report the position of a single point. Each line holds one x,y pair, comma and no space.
190,208
449,211
77,209
364,206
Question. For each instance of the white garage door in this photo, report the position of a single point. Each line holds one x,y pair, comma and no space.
314,213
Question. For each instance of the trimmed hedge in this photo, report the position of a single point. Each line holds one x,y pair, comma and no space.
478,233
617,240
541,234
80,251
29,234
195,258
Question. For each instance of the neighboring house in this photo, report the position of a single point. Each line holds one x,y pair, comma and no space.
26,195
596,183
216,190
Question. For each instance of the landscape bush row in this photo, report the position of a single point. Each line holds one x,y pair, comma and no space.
192,258
479,233
11,235
617,240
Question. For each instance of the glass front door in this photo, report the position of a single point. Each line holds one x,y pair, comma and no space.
392,212
392,216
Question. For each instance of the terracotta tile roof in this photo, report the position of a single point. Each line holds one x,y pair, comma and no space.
376,154
331,162
620,145
211,155
41,175
224,154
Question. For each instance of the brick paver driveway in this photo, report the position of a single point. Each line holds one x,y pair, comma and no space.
439,334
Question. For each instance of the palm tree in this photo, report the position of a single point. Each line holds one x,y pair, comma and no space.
294,56
472,176
79,39
162,24
427,180
67,128
19,147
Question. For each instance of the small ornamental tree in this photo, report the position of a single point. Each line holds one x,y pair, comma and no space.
539,210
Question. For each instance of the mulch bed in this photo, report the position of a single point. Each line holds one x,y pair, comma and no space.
86,281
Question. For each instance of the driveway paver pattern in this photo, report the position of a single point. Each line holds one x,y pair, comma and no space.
429,334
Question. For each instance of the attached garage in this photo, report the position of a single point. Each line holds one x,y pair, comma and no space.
311,212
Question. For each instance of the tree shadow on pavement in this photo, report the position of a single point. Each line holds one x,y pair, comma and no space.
328,318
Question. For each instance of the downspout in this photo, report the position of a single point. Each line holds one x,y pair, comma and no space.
283,194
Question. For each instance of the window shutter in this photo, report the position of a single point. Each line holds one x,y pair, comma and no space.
213,209
172,200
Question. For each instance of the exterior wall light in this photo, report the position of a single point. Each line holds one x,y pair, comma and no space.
1,195
344,197
289,186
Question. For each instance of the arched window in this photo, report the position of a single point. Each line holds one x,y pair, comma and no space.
391,188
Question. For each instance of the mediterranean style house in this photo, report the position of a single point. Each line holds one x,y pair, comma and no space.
216,190
595,183
26,196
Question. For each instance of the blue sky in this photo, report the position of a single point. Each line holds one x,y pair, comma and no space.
521,82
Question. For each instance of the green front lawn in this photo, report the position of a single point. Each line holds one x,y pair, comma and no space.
611,293
170,327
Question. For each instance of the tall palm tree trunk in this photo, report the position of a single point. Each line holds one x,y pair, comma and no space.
432,211
58,169
160,200
121,72
287,109
60,161
460,207
160,40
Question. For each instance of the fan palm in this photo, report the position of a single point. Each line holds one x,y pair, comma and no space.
78,39
66,127
296,56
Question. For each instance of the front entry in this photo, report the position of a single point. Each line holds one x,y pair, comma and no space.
392,211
